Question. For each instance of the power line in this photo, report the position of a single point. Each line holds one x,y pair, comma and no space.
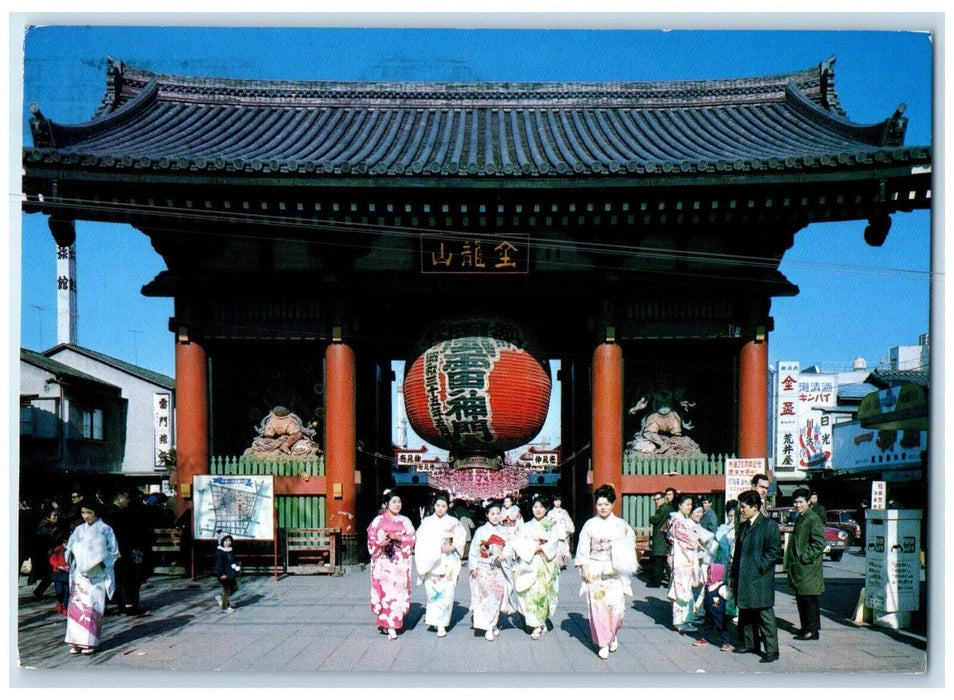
394,233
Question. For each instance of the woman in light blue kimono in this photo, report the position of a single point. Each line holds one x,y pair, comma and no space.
440,545
532,554
606,558
91,554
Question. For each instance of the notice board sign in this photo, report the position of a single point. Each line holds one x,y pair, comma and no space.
739,473
243,506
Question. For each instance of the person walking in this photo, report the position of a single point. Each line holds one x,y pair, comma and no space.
488,584
532,557
390,543
752,580
91,554
803,562
440,545
606,558
226,571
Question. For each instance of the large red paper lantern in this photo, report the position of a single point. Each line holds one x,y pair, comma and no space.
476,396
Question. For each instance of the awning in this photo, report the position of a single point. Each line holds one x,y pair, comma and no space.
903,407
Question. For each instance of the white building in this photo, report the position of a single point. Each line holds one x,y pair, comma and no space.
86,414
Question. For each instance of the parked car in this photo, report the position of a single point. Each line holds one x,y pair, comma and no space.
835,539
845,519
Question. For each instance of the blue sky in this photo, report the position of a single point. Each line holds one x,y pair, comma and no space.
855,299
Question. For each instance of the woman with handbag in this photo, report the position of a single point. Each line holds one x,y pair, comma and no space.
532,555
91,554
606,558
390,543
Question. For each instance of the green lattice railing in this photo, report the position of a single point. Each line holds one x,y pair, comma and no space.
636,508
277,467
663,465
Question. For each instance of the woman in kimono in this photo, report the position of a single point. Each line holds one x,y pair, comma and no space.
488,583
91,554
559,515
532,557
390,543
685,565
606,558
440,545
510,518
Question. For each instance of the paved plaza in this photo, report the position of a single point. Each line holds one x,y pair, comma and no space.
299,625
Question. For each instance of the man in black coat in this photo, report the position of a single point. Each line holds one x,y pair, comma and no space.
133,536
658,545
758,546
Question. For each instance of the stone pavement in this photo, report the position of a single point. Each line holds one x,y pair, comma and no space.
323,625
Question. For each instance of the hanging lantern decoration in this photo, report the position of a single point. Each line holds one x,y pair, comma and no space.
477,397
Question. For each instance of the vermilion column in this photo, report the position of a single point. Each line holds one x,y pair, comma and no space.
340,436
753,400
608,419
192,418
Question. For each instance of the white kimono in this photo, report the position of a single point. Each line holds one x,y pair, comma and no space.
607,550
438,570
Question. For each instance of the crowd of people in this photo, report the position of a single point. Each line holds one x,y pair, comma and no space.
717,571
93,547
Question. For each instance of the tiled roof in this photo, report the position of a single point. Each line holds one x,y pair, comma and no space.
136,371
783,123
42,361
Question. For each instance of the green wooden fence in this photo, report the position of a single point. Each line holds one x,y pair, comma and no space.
277,467
636,508
662,465
292,511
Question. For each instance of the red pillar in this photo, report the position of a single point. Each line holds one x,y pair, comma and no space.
192,418
608,419
340,436
753,400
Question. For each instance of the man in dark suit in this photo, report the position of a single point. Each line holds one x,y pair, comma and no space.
803,562
757,548
658,544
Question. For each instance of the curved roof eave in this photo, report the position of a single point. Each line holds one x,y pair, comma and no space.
151,122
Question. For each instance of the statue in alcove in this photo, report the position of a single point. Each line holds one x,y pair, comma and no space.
283,434
661,429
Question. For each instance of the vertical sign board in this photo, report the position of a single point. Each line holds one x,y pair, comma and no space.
162,418
817,393
786,416
893,561
739,473
879,500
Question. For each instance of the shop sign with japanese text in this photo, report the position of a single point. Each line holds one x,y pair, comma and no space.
786,416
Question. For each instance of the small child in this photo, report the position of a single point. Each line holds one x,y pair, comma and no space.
715,592
226,570
60,577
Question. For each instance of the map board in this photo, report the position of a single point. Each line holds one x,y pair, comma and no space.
243,506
